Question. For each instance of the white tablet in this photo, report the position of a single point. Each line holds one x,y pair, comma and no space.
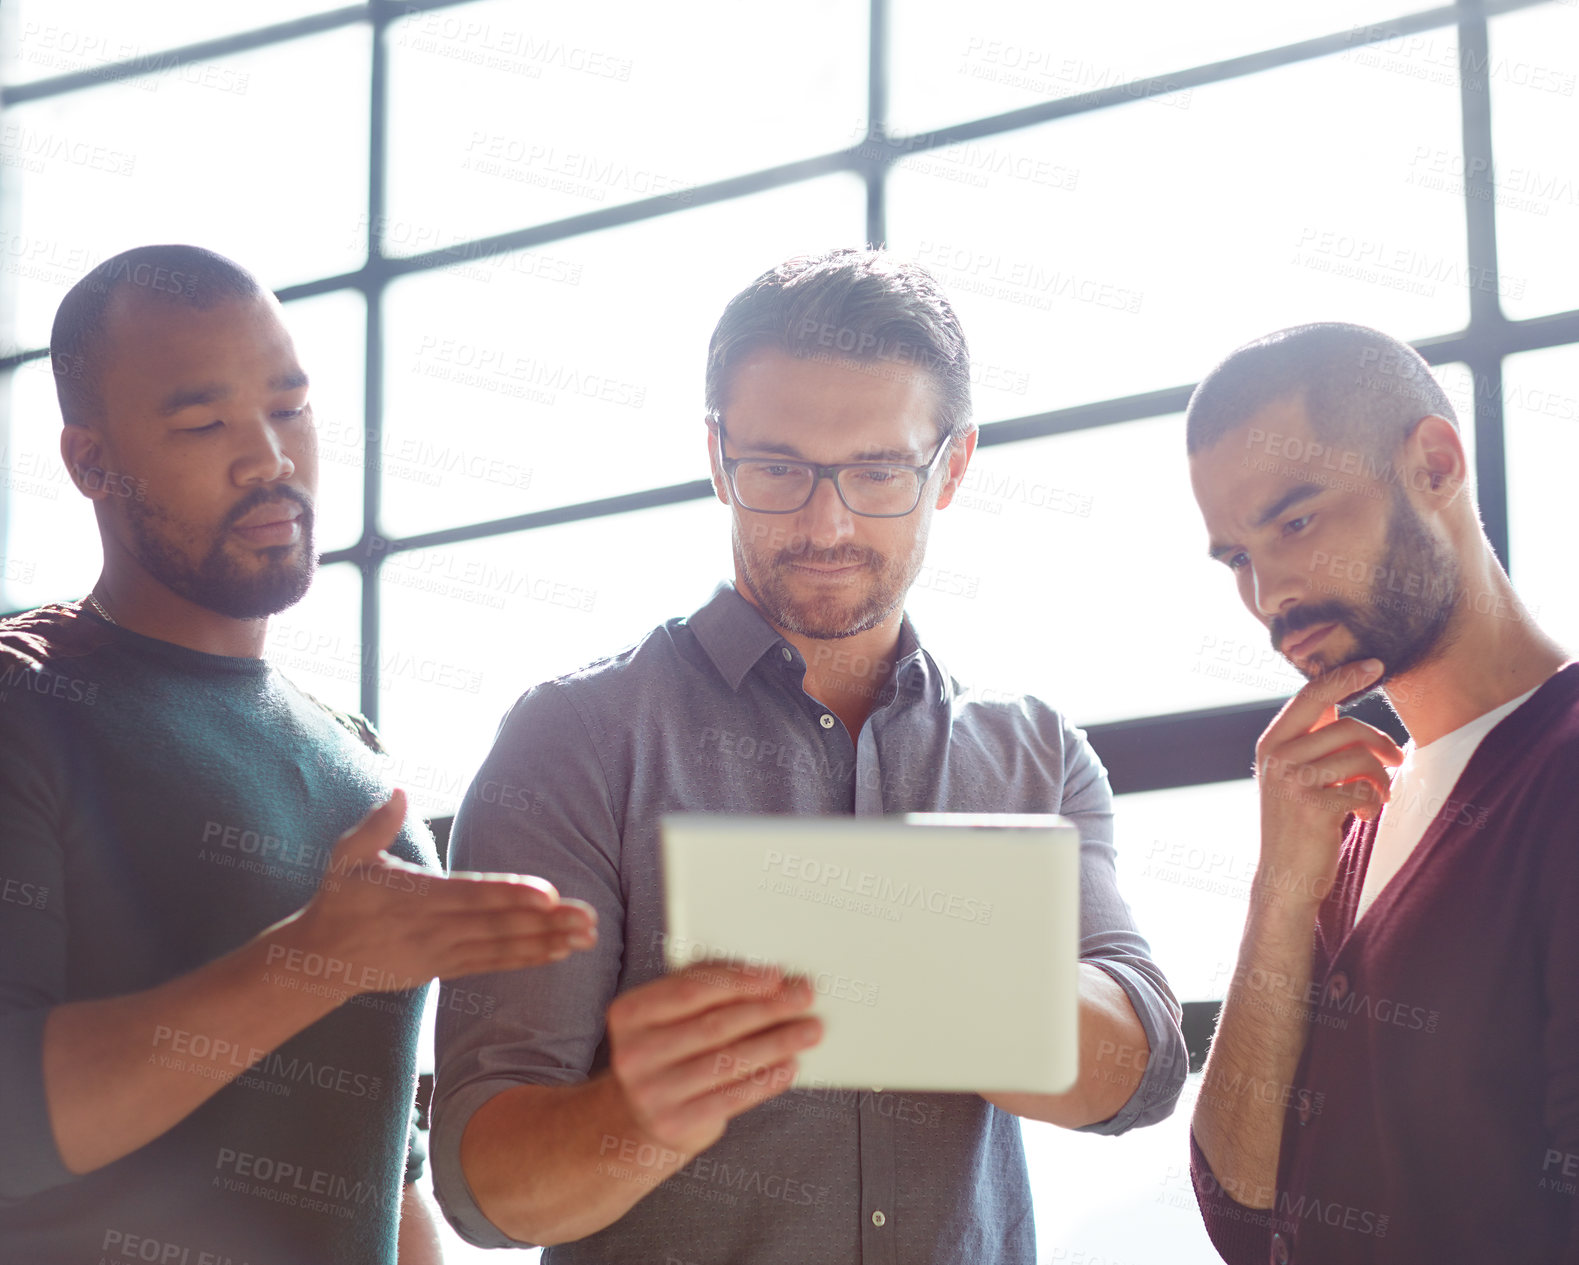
943,948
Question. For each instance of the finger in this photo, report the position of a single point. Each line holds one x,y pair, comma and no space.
541,885
478,894
1352,764
1346,732
1360,798
767,1082
699,1036
745,1060
496,956
742,1063
474,927
529,940
1367,801
589,911
709,1112
365,841
691,991
1318,700
576,924
469,892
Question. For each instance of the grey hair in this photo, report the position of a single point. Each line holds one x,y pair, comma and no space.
848,304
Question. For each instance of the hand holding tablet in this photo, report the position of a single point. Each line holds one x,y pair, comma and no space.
696,1048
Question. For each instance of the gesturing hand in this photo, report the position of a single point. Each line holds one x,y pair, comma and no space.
1314,769
378,924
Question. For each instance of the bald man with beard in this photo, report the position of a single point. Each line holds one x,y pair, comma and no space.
1395,1075
216,925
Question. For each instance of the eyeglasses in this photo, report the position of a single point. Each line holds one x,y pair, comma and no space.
872,489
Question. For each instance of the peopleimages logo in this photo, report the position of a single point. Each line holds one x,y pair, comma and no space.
685,951
216,1050
290,1184
335,972
44,682
881,888
124,1245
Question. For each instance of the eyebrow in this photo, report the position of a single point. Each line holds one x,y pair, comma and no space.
869,454
215,392
192,397
1299,492
888,454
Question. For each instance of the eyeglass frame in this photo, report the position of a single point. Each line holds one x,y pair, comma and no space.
820,472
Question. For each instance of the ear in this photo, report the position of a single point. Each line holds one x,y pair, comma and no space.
714,461
82,449
1435,462
962,450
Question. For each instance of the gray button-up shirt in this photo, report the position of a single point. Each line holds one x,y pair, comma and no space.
708,714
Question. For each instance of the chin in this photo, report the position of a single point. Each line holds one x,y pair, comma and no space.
258,596
820,625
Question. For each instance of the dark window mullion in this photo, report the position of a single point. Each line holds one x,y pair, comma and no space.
1486,320
877,124
373,391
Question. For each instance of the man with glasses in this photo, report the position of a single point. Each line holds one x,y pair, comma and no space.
607,1106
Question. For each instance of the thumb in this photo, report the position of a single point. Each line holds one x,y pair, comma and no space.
365,842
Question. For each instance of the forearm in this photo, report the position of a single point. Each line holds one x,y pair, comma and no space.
121,1071
1238,1121
1113,1055
548,1164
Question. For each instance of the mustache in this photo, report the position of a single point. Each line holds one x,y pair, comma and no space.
1303,617
843,556
270,496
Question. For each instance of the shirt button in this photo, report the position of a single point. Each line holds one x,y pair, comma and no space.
826,721
1280,1252
1304,1109
787,654
879,1220
1337,986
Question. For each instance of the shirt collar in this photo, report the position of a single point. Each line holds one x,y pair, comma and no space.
733,633
735,636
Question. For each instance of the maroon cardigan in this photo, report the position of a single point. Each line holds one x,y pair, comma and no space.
1435,1113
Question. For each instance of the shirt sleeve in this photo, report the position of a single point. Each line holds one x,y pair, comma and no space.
32,948
1241,1235
1110,941
540,805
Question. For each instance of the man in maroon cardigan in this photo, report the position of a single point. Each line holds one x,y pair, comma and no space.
1395,1076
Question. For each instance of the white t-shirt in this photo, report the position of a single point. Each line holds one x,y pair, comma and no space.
1421,786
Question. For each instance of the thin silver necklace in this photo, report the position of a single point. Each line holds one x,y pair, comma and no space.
99,606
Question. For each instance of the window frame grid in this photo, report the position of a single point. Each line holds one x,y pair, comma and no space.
1143,753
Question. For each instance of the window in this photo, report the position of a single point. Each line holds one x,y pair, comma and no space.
503,232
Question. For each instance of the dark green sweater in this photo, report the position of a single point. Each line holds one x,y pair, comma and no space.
158,808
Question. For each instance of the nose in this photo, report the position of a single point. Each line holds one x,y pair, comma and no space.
825,520
263,457
1274,587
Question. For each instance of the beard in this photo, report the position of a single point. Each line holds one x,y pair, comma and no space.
1403,630
218,582
869,597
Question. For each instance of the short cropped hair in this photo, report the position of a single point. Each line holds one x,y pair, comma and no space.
186,275
1357,384
848,304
